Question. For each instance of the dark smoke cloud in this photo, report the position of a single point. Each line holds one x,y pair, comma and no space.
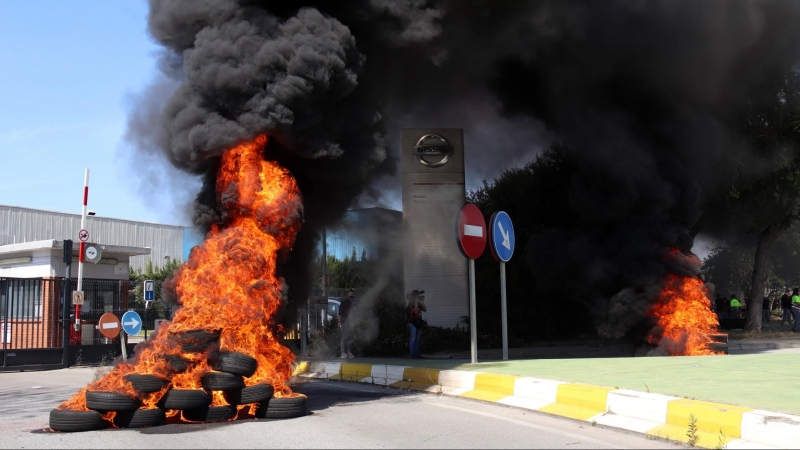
640,91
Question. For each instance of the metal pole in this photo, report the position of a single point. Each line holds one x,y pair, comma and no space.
146,304
122,343
303,329
67,302
82,247
325,264
473,327
503,309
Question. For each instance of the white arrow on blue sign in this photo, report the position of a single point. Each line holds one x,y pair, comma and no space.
502,241
131,323
149,290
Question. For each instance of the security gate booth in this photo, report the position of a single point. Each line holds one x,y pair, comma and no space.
33,293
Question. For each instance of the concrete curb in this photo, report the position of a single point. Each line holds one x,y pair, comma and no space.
716,424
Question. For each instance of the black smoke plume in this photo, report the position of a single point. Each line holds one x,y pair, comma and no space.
640,91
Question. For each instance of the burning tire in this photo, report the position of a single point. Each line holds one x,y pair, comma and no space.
111,401
235,363
140,418
252,394
198,340
221,381
69,420
283,408
213,414
176,363
145,383
185,399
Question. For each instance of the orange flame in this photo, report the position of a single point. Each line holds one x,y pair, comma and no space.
228,283
685,318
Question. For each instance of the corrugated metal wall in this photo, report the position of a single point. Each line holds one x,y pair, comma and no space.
25,225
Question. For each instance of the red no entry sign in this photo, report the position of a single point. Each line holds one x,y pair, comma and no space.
109,325
471,231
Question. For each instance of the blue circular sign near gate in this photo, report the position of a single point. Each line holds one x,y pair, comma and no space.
131,323
502,236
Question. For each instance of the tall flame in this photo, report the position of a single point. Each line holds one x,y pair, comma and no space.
685,321
229,282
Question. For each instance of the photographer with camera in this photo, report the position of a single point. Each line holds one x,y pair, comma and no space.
415,306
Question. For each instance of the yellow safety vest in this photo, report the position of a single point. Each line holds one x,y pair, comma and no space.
796,300
735,303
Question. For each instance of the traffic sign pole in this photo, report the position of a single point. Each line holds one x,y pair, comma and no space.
473,323
503,308
471,240
82,247
122,344
502,244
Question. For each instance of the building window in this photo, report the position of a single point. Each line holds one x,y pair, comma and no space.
21,299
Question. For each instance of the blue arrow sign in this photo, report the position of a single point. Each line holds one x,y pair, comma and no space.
149,290
502,232
131,323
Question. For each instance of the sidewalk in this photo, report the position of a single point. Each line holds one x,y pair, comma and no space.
738,400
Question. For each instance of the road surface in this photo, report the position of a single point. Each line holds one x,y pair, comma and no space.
343,415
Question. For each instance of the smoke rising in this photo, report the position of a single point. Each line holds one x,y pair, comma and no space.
640,91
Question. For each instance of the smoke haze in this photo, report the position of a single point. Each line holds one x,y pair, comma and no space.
640,91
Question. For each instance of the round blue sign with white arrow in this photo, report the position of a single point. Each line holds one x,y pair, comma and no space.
502,236
131,323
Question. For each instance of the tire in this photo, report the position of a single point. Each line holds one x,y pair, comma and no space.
69,420
145,383
258,393
213,414
111,401
196,341
283,408
221,381
235,363
140,418
176,364
185,399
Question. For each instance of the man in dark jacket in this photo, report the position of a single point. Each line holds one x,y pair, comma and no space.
786,307
346,324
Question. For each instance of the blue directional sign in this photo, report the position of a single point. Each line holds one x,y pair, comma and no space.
502,236
149,290
131,323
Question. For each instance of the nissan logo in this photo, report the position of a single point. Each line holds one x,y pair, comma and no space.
433,150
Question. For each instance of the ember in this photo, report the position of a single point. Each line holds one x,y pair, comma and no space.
230,296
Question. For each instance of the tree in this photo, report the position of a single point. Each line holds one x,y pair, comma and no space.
770,131
157,274
536,197
730,267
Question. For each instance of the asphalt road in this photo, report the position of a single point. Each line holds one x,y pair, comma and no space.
343,415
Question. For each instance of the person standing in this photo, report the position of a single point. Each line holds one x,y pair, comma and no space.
736,307
786,307
346,324
796,309
414,309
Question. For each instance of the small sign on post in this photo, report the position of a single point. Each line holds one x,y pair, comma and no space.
149,290
471,240
502,244
77,297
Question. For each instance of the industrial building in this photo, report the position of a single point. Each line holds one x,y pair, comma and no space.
19,225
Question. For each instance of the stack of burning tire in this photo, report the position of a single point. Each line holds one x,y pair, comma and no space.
226,379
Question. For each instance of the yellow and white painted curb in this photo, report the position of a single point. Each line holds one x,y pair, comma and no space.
715,424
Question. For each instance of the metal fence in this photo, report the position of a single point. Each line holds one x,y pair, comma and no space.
31,310
30,313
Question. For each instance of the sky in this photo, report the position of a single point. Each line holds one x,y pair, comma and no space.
69,71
